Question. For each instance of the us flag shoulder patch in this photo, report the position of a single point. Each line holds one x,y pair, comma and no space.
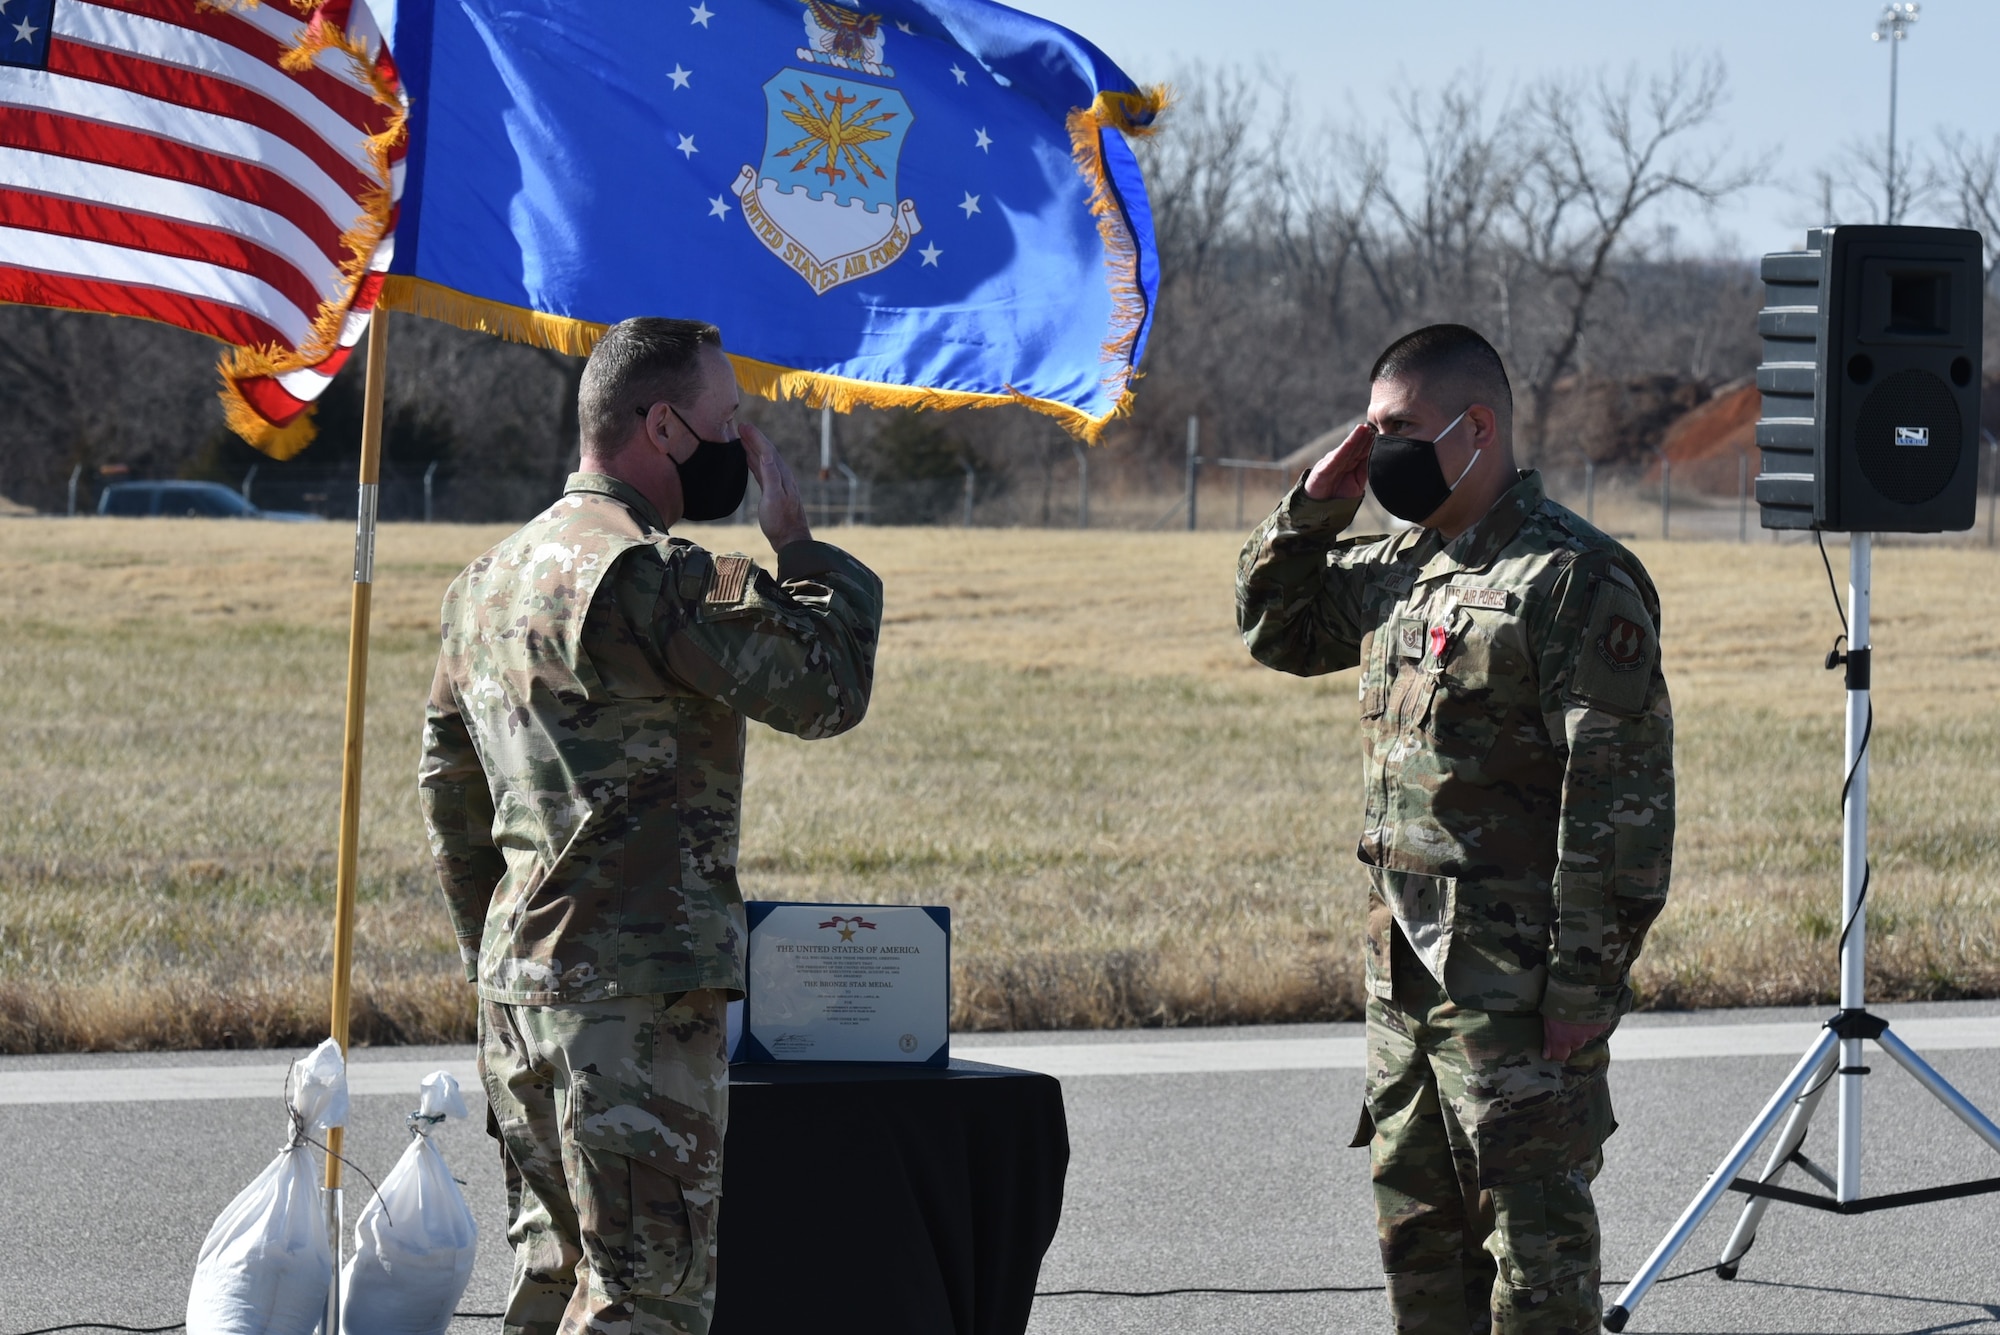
732,578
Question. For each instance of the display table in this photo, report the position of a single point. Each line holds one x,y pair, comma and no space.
887,1199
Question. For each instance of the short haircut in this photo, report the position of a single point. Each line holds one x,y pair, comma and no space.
638,363
1449,361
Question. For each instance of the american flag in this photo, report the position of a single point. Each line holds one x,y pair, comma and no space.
224,166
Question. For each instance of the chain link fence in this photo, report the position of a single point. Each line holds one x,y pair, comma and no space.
326,490
1711,500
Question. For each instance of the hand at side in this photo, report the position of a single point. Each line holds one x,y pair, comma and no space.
1560,1038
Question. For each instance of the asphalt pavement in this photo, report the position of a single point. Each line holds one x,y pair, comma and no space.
1200,1159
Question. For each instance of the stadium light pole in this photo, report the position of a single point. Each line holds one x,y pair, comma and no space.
825,457
1894,28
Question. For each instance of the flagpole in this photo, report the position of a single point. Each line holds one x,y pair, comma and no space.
346,870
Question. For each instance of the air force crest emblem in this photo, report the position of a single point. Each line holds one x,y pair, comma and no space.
823,199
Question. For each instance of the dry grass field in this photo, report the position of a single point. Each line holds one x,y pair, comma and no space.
1133,823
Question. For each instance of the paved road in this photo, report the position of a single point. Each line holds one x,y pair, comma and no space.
1200,1158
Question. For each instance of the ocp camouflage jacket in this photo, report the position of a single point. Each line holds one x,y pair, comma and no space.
583,743
1517,738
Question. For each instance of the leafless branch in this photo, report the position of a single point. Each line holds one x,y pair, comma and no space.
1600,156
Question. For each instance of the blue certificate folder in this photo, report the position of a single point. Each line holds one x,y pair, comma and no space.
845,983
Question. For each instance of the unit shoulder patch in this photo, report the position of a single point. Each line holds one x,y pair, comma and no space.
1622,646
1614,664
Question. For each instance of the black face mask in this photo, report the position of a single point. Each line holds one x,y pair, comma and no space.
1405,476
714,478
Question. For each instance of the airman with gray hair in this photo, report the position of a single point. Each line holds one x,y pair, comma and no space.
581,780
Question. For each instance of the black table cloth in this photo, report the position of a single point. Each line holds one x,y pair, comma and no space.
887,1199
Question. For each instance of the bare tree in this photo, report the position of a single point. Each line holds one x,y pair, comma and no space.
1971,174
1200,176
1857,185
1601,156
1466,171
86,390
1209,176
1319,203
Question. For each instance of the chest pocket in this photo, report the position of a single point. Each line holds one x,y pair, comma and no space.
1380,655
1374,672
1474,687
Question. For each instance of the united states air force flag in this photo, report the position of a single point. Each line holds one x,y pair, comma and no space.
920,202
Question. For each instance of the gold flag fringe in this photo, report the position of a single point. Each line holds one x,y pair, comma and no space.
359,241
1131,114
516,324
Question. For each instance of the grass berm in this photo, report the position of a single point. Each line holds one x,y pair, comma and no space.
1133,823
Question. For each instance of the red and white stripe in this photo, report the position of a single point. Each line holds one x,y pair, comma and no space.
166,165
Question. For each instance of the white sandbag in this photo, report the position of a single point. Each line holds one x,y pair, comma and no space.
266,1265
414,1242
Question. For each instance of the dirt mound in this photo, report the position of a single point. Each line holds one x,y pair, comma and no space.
1615,420
1706,442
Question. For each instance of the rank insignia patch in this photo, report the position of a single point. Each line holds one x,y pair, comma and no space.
1623,645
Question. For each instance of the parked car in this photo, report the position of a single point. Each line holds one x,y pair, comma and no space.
197,500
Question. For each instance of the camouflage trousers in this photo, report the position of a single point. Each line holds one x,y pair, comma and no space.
1482,1158
610,1117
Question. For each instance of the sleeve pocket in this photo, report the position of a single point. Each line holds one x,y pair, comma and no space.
1373,696
1613,668
1582,919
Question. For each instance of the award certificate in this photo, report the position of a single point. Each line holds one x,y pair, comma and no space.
847,983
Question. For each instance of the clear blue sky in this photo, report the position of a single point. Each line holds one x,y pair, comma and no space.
1804,78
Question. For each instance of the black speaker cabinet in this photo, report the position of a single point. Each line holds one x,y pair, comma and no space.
1871,381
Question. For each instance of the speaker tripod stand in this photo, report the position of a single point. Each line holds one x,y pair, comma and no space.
1837,1053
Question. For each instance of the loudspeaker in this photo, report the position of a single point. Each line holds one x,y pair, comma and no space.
1871,381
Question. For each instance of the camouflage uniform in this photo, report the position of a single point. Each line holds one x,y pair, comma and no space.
1518,765
581,777
617,1218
